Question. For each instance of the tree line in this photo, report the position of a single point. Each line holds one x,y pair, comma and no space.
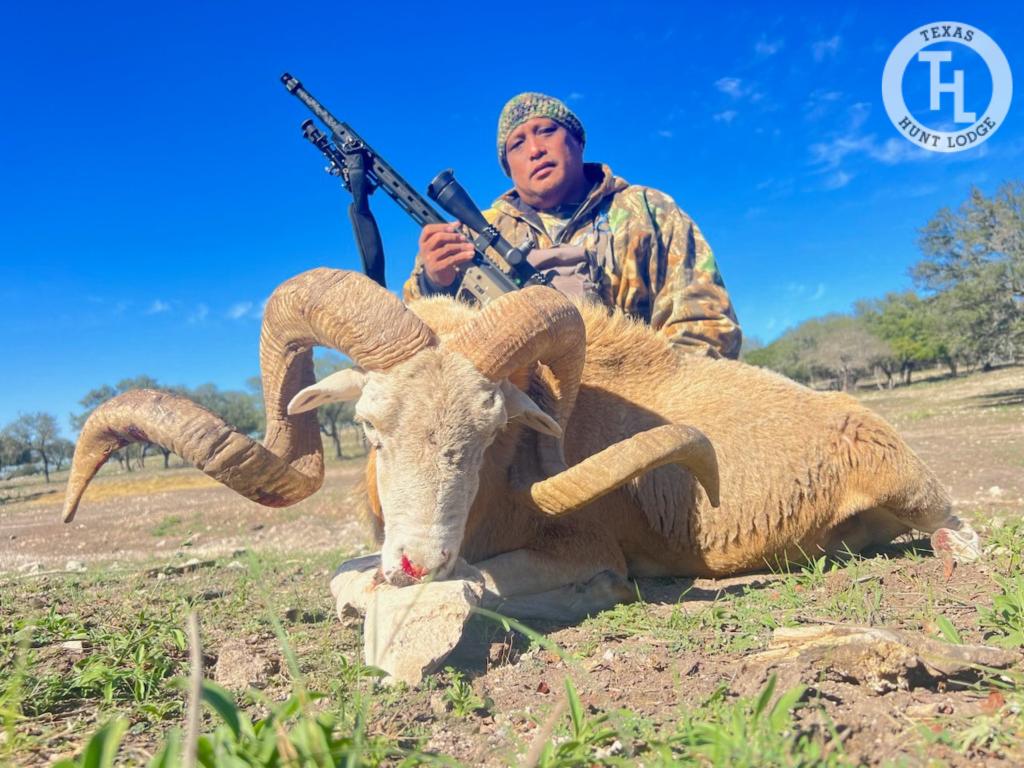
967,311
33,442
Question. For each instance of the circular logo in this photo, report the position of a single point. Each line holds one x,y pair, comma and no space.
936,50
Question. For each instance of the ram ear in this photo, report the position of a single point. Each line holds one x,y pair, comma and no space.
519,406
337,388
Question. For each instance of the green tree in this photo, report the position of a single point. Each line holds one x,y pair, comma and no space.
39,433
974,266
12,452
838,347
906,323
785,355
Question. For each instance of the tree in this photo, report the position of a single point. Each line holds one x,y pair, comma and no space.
335,416
906,323
63,450
11,451
834,346
842,347
40,434
974,266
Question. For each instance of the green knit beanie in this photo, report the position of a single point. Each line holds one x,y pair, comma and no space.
528,105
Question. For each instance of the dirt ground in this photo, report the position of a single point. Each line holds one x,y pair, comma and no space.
653,660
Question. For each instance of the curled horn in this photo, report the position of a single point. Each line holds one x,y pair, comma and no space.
325,307
534,325
617,464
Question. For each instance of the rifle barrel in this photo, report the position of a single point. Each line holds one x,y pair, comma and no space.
382,174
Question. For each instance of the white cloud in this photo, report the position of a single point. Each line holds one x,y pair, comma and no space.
199,315
859,113
820,103
664,134
239,310
829,155
575,96
158,307
766,47
822,49
725,117
805,292
838,180
732,86
739,89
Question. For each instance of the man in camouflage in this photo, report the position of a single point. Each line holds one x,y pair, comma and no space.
625,245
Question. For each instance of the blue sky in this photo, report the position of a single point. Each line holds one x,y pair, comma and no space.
156,187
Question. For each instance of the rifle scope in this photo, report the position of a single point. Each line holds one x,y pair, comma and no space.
452,196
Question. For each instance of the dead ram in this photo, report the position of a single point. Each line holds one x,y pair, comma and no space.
625,459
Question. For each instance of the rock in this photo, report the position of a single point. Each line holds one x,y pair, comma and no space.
882,659
234,565
188,566
73,646
75,566
30,568
304,617
241,666
351,587
408,631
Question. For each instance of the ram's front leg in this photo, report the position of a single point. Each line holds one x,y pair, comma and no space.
566,574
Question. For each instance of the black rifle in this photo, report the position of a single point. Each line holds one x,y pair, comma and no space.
362,170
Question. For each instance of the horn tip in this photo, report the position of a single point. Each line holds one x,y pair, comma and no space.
68,513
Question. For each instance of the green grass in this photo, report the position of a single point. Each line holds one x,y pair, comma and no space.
123,693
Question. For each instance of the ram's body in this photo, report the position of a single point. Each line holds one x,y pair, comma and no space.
801,472
611,468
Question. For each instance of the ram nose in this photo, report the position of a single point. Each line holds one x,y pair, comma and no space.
411,570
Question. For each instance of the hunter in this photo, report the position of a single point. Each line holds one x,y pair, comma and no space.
603,238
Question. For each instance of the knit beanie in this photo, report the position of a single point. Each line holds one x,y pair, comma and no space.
528,105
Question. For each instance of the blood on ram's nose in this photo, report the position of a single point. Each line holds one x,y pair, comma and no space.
412,570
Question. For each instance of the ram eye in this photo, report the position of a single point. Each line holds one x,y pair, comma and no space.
372,436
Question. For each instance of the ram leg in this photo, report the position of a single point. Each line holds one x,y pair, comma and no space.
894,482
571,603
562,554
864,530
950,536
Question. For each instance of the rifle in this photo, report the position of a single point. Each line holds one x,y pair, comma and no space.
362,170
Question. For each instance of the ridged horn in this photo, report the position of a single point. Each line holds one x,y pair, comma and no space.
325,307
535,325
617,464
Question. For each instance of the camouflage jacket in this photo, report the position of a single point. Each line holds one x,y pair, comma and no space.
650,259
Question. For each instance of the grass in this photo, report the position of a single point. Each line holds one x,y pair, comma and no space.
122,694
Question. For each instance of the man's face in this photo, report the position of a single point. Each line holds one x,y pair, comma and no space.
546,163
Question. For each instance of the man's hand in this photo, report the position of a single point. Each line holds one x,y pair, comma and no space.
442,249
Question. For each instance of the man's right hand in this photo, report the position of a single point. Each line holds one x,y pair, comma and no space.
442,249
